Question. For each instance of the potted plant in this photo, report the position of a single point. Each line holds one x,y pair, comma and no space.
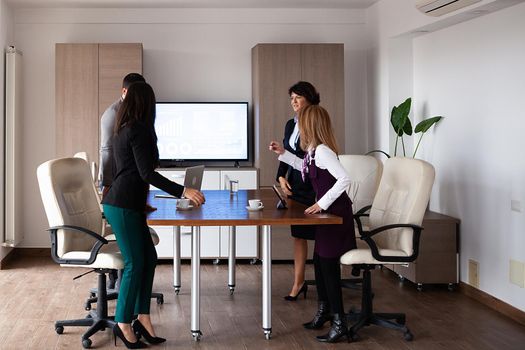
402,126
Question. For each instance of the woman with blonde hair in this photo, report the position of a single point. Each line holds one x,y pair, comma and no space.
330,181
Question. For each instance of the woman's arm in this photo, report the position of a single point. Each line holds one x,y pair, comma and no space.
143,146
325,158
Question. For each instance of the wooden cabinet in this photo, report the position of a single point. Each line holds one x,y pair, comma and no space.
276,67
88,78
438,260
214,239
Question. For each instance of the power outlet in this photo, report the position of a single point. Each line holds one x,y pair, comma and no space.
517,273
473,273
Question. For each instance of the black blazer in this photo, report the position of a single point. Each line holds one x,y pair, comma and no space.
302,191
136,157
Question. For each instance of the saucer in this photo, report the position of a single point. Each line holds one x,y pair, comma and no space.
190,207
250,209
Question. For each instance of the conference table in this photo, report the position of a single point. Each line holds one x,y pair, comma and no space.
223,208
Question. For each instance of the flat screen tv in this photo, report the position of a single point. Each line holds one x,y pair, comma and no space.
202,132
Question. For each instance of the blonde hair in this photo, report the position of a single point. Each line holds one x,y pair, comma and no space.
315,128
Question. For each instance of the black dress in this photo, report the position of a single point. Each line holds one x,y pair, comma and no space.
302,191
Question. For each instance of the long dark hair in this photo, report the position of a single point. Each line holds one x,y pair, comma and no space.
307,90
138,106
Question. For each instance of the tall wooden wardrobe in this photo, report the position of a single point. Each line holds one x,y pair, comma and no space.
276,67
88,78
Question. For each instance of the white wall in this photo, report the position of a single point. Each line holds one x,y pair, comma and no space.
6,35
189,54
469,69
474,74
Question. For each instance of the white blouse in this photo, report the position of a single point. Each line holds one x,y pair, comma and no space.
325,158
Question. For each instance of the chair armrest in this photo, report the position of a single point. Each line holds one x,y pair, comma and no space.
367,237
100,241
359,214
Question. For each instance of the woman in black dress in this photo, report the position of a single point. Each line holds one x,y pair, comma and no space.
302,94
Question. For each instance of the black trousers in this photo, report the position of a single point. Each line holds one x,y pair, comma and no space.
328,282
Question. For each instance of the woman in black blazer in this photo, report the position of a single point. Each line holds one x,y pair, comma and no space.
302,94
136,157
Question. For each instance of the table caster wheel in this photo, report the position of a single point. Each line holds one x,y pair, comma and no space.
451,287
401,278
232,290
160,300
59,329
87,307
216,261
86,343
420,287
253,261
196,335
268,336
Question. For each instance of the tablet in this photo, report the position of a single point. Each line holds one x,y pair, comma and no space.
282,202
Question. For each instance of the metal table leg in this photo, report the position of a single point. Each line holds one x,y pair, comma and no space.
176,259
195,282
231,259
267,281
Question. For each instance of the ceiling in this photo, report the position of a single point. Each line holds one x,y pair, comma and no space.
337,4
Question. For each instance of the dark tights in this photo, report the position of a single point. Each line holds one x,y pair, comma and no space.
328,282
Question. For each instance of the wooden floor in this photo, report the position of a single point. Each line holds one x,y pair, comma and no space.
34,292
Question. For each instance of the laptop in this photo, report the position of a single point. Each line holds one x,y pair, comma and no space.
193,177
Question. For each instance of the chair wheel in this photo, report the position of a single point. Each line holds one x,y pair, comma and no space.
92,295
160,300
59,329
408,336
87,307
86,343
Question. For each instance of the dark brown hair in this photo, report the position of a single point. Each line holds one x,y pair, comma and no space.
307,90
138,106
315,128
132,78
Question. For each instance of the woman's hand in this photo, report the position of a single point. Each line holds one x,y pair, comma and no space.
195,196
276,147
285,186
314,209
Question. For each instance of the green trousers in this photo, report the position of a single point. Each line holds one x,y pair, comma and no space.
140,258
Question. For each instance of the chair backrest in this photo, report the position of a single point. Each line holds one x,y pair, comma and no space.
67,193
402,198
365,173
92,165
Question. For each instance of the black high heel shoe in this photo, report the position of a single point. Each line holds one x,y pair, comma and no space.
140,330
304,289
117,332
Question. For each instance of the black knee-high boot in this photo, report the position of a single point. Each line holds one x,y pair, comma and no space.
338,330
320,318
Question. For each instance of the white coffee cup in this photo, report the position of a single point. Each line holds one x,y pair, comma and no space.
255,203
183,203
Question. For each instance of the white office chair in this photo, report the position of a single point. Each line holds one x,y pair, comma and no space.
393,233
75,222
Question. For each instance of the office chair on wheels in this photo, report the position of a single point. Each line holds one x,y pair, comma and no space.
73,213
393,233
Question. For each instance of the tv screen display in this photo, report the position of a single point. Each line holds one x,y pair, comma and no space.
202,131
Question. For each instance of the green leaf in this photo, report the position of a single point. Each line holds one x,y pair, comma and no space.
426,124
399,118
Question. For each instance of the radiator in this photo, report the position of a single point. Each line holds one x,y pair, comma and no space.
13,148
